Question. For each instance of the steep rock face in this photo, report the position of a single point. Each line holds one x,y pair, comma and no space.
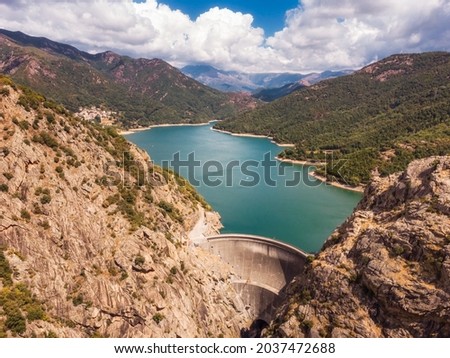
386,271
98,235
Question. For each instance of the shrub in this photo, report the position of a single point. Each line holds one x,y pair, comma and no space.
25,214
3,333
29,99
139,260
158,317
68,151
305,296
78,300
35,313
148,197
48,140
166,206
171,210
50,118
50,334
15,300
45,199
4,188
398,250
123,275
112,270
110,200
307,325
5,269
24,125
15,321
45,138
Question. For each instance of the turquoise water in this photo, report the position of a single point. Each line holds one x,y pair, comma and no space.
301,215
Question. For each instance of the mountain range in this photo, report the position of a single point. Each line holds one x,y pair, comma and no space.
94,238
233,81
142,91
379,118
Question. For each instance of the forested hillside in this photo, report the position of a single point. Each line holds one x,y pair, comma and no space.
141,91
382,116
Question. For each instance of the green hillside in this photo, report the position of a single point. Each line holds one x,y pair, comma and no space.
382,116
143,91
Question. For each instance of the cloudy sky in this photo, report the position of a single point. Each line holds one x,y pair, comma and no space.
245,35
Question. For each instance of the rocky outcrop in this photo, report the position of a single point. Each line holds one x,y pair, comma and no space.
386,271
98,236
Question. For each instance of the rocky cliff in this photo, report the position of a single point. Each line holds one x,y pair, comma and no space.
94,239
386,271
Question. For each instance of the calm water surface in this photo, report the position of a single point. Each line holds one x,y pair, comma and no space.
301,215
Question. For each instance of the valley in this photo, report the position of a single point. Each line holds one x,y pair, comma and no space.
141,91
282,201
379,118
111,229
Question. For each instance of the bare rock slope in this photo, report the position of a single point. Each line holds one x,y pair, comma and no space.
386,271
94,239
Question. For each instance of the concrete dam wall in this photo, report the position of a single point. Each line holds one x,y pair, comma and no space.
264,267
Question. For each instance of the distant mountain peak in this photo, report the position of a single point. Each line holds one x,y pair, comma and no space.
391,66
379,118
46,44
144,91
271,85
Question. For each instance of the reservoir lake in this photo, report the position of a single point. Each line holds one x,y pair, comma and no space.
258,196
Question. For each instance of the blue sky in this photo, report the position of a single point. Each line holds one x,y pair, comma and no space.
269,15
241,35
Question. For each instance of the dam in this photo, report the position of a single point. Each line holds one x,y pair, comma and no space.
264,267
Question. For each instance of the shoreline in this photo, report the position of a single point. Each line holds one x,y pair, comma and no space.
358,189
249,135
298,162
142,129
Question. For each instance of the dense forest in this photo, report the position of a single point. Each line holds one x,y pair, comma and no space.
380,117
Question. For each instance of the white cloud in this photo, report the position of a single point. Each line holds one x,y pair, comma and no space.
317,35
321,34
